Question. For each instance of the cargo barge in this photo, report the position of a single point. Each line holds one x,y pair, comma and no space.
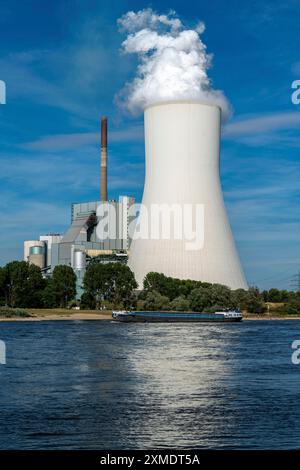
172,317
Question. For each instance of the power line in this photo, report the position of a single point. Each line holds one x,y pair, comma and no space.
275,276
294,280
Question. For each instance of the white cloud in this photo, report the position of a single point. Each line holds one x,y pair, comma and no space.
260,124
58,142
173,62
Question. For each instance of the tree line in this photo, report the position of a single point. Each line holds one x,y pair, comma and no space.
22,285
112,285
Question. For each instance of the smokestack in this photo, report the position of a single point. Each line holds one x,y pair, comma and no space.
103,176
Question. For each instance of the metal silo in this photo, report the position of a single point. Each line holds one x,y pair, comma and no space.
37,254
79,260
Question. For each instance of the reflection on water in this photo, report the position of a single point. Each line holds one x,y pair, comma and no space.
109,385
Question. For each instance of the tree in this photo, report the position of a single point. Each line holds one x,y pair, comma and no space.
255,302
63,284
112,282
3,282
16,283
155,301
171,287
180,304
239,298
220,296
36,285
166,286
50,299
87,302
200,299
95,283
187,285
124,284
293,306
22,284
275,295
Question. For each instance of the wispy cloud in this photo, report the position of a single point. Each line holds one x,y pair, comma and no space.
58,142
260,124
77,77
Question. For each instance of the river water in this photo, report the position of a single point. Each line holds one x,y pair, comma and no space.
104,385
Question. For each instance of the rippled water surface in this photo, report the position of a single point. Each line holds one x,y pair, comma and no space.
102,385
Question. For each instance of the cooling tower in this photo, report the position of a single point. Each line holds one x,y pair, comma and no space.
182,143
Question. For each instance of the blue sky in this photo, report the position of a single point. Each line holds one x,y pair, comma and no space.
62,66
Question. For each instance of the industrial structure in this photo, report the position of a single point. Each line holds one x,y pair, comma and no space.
182,143
38,252
81,243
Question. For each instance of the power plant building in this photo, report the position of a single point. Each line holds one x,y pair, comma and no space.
82,233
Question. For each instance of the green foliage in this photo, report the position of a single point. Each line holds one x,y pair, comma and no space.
163,285
198,296
113,285
62,286
276,295
111,282
255,302
220,296
13,312
21,285
293,306
3,277
200,299
170,287
50,299
87,301
180,304
239,299
155,301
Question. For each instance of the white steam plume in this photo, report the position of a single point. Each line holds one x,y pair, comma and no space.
173,62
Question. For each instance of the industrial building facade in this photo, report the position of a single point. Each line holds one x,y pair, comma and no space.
80,242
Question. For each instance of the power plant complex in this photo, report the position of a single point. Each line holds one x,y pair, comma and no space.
182,143
80,244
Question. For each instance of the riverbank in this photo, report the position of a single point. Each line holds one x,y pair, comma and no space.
58,314
251,317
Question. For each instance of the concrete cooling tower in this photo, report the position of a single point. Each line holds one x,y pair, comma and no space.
182,143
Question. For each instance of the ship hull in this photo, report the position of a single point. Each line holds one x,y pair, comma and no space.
148,317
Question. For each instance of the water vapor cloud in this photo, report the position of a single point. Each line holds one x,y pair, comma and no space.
172,62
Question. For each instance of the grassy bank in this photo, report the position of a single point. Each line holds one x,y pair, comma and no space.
6,312
11,314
